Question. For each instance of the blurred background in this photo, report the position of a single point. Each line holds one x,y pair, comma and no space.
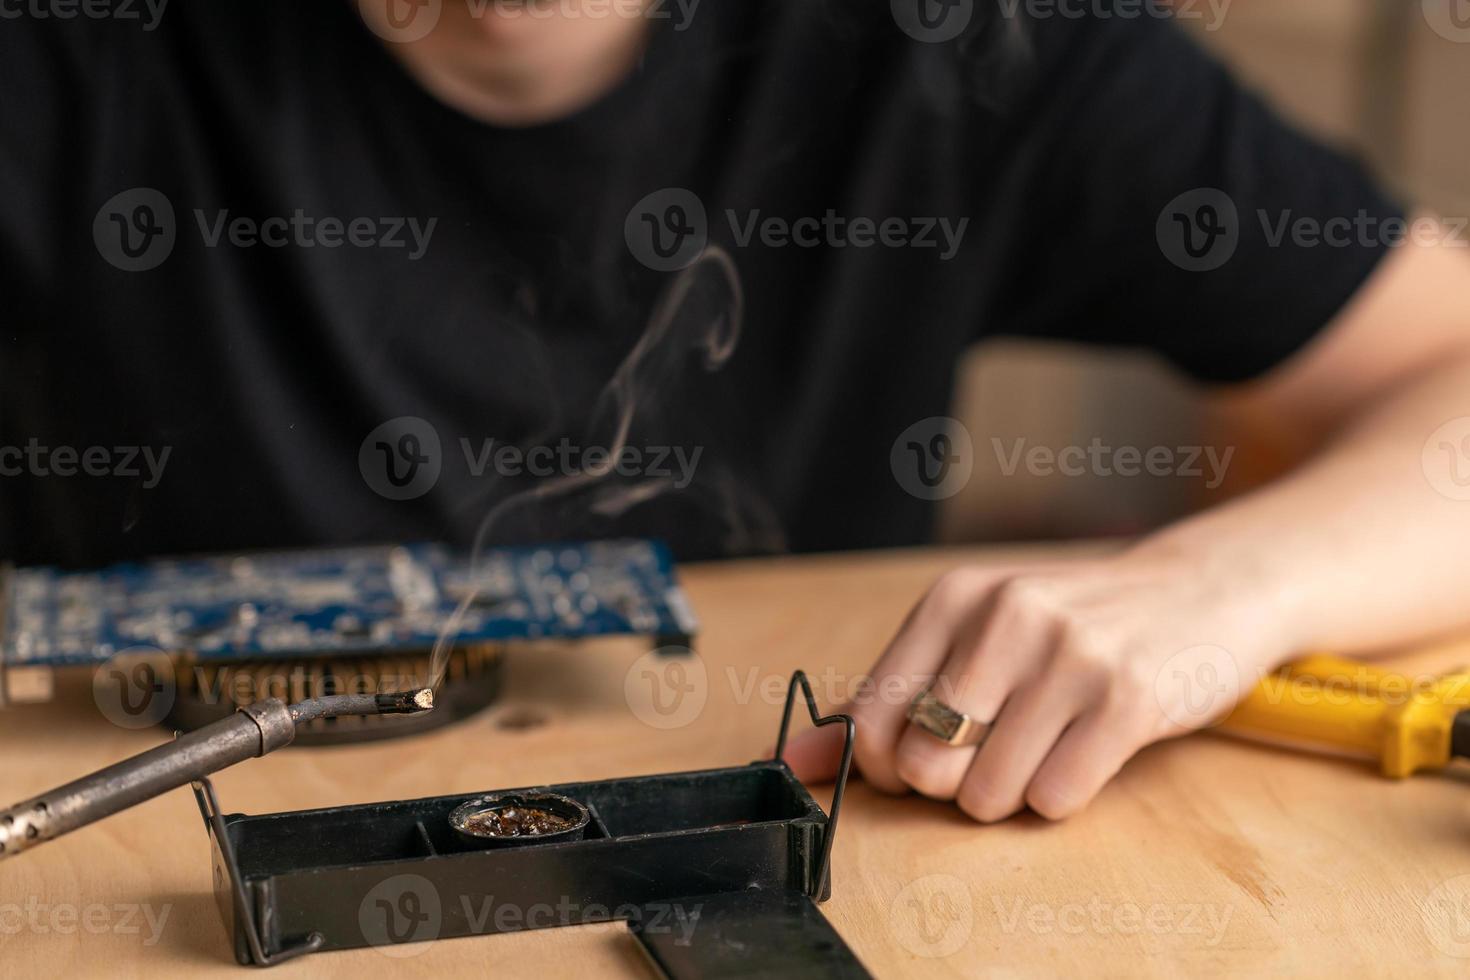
1373,76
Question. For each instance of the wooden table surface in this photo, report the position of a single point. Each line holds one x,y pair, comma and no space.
1205,857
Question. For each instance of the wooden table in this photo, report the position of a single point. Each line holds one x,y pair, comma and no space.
1205,856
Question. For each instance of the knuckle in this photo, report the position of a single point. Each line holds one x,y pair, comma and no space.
954,591
1083,650
1023,592
1137,679
1030,600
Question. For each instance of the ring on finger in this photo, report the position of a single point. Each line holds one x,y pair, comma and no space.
950,725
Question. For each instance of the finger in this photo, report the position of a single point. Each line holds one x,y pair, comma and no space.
996,651
1089,754
916,653
1023,736
815,754
929,766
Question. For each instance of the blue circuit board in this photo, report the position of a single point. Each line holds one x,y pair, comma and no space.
311,603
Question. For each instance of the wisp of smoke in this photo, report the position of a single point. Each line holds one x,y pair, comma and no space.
663,344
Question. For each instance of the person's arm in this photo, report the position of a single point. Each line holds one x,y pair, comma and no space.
1081,665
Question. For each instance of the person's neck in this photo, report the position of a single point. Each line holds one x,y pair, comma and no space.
509,66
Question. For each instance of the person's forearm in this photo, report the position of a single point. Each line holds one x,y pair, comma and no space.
1365,545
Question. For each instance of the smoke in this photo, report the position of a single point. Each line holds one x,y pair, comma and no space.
700,312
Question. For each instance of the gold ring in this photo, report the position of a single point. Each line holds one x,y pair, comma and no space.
943,722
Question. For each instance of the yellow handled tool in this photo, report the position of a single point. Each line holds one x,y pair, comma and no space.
1407,724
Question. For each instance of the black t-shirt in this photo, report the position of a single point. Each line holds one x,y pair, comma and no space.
253,272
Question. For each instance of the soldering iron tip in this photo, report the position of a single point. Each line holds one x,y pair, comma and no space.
405,702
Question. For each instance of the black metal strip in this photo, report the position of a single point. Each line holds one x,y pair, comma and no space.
798,679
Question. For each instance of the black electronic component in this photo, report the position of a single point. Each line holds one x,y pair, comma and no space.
717,872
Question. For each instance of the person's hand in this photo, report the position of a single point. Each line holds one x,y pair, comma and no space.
1077,666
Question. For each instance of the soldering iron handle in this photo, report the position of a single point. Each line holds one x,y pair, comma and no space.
252,731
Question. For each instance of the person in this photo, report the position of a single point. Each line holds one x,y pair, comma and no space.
321,263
